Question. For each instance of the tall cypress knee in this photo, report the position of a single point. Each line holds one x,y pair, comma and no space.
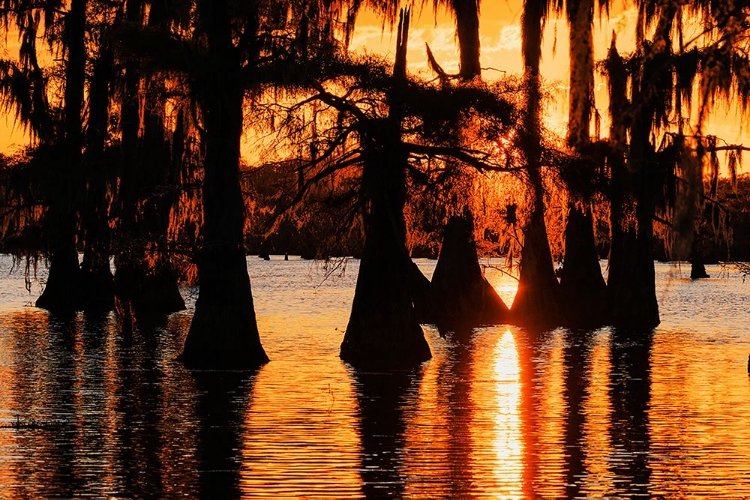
464,296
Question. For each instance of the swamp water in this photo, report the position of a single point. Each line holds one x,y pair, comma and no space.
88,412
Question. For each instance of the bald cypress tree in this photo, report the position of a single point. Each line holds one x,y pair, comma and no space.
581,282
146,282
383,326
537,301
224,331
63,290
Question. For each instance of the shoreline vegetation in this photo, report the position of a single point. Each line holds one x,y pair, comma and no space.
137,121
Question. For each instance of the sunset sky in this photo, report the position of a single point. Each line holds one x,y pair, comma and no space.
500,53
500,34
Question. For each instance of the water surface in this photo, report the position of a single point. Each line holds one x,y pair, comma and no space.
502,413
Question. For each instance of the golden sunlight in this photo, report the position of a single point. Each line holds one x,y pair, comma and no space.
507,441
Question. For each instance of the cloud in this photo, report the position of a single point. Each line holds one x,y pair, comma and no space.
509,39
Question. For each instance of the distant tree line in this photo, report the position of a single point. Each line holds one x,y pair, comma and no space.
136,110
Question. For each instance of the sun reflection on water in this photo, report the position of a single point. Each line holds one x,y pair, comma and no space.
508,440
499,412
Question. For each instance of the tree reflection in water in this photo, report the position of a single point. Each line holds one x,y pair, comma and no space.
223,400
381,397
455,381
576,357
630,391
117,415
502,411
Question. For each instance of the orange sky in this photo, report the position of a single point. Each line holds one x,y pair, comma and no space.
500,36
11,136
501,51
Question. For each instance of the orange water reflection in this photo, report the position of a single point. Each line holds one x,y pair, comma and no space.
301,440
596,410
500,412
508,440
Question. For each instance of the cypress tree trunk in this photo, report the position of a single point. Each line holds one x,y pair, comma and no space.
697,263
63,289
383,327
467,29
96,275
126,260
146,283
631,287
633,293
224,331
464,298
145,279
537,299
62,292
581,51
159,292
632,283
581,283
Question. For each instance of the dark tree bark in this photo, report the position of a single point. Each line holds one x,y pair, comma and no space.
145,282
581,283
633,299
126,279
631,287
582,286
63,289
62,292
580,23
464,297
467,29
698,271
537,300
699,221
224,331
697,264
96,275
631,284
423,295
384,327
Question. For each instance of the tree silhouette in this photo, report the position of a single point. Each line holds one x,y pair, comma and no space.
581,282
63,290
146,283
396,128
646,157
98,286
538,298
224,330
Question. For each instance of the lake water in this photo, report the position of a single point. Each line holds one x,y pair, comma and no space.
506,413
